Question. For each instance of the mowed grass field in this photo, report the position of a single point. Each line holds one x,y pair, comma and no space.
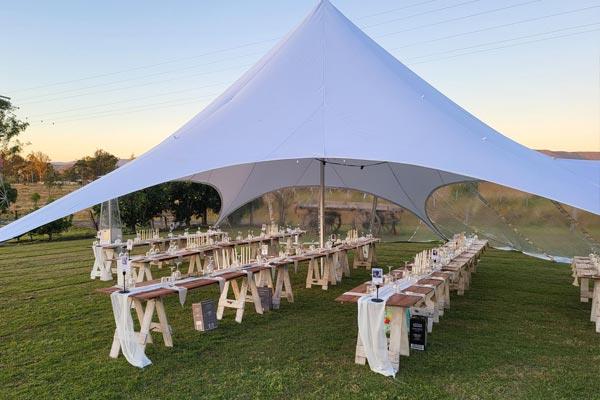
519,332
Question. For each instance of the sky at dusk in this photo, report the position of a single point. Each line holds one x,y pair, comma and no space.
124,75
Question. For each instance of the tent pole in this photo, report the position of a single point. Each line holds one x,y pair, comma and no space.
110,222
322,207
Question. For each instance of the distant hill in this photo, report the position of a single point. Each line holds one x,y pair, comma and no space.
61,166
575,155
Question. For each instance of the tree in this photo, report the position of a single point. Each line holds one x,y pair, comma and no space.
39,163
10,128
50,178
78,172
35,198
101,163
188,199
15,168
90,168
138,208
55,227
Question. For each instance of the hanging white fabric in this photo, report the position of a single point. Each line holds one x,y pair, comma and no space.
371,328
131,347
372,332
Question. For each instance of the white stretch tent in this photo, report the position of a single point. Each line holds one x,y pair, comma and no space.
327,91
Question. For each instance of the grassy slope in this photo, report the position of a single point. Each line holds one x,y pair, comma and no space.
520,332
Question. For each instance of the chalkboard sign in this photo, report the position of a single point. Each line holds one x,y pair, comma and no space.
418,332
266,298
205,315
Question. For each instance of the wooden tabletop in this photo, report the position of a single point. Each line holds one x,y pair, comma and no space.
254,239
395,300
190,285
158,240
424,290
432,282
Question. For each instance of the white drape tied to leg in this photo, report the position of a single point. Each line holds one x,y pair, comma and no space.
371,328
131,347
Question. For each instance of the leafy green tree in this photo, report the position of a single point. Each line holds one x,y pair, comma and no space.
50,178
55,227
35,198
15,168
138,208
90,168
189,199
10,128
101,163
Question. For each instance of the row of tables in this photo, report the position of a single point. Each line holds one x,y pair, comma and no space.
429,297
238,284
142,263
224,252
105,254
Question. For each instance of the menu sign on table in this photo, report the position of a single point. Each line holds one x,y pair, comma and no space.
418,332
377,276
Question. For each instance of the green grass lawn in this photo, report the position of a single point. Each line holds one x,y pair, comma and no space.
520,332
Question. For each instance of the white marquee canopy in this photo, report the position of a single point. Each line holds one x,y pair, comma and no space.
328,92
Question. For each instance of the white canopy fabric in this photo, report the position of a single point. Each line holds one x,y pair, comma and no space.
327,91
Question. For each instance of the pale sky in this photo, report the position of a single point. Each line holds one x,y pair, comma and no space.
123,75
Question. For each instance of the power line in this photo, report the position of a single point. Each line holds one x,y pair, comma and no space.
144,107
146,66
506,40
396,9
25,100
507,46
420,13
37,116
155,74
493,27
165,93
404,46
459,18
142,84
134,109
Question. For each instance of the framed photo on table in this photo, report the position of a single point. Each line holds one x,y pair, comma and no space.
377,276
